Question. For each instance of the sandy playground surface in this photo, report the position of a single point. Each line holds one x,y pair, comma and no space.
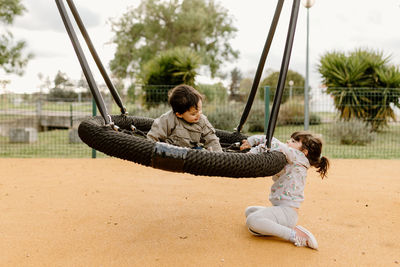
110,212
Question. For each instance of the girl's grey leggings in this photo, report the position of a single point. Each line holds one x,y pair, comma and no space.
276,220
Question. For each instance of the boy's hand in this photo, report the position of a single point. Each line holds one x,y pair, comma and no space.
245,145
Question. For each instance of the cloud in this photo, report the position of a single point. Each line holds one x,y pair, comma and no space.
42,16
374,17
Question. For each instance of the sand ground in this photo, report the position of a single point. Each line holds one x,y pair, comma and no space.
110,212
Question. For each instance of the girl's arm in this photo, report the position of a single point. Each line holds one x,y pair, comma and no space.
256,140
290,153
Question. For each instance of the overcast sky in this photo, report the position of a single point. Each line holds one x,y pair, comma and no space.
334,25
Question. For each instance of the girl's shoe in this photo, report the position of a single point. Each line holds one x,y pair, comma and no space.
308,241
254,233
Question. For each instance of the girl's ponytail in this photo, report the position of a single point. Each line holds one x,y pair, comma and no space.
313,145
322,167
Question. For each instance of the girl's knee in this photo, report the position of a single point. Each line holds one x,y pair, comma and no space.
251,220
248,211
251,209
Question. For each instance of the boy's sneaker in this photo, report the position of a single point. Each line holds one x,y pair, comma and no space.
308,241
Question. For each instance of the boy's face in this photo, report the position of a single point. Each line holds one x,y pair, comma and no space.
192,115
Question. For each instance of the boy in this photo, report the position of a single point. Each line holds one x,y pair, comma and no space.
185,125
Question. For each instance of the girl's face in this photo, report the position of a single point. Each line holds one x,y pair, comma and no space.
192,115
294,144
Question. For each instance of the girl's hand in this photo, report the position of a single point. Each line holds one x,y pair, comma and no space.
245,145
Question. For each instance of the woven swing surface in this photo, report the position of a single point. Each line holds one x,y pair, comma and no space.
111,212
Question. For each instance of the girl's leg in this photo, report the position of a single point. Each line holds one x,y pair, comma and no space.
251,209
277,221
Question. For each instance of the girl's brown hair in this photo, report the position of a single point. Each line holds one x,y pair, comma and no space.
313,145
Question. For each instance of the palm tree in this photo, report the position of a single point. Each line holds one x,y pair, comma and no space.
169,68
363,85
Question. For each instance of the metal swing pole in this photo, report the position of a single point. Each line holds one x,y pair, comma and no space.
85,66
96,57
283,72
260,67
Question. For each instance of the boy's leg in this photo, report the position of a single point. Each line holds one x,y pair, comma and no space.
277,221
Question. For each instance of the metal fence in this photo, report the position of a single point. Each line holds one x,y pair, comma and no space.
31,125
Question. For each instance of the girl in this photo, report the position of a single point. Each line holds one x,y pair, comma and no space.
302,150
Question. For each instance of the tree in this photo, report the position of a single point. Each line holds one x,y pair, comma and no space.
62,81
169,68
12,59
245,85
63,88
45,82
82,83
156,25
272,81
236,78
363,84
83,88
131,93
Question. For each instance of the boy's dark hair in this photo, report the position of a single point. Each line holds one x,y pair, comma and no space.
183,97
313,144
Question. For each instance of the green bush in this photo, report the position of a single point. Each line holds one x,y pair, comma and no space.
255,121
59,94
292,113
152,112
354,132
223,117
155,95
213,92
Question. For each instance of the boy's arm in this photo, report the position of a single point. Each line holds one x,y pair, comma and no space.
159,130
211,141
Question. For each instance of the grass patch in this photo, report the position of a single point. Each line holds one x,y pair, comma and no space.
55,144
50,144
385,146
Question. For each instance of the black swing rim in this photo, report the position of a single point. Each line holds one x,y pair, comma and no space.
103,138
102,133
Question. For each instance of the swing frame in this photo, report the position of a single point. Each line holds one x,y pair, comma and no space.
108,133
